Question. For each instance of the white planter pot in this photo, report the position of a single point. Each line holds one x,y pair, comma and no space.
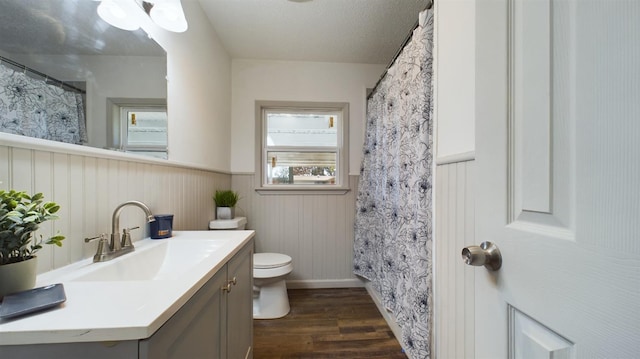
226,212
16,277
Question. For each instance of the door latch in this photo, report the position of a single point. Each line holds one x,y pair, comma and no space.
486,254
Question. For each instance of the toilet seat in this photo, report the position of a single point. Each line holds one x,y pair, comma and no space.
270,265
270,260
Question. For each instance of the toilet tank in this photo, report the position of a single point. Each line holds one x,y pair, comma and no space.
228,224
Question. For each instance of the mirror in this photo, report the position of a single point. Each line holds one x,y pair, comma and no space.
67,49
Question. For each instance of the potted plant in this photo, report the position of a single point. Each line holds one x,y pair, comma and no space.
225,204
20,216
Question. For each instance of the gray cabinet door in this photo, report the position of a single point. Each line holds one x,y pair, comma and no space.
240,305
195,330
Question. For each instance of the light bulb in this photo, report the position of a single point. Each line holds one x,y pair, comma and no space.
169,15
115,13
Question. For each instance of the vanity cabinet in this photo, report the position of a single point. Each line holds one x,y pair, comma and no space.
216,322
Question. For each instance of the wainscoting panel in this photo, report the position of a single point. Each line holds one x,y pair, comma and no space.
88,188
454,283
316,230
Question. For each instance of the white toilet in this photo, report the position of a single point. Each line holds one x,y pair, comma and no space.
270,299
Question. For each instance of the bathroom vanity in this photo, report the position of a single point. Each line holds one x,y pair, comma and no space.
188,296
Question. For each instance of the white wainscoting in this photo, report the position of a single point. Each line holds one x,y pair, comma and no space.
88,188
316,230
454,281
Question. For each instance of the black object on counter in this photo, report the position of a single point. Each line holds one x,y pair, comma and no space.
32,300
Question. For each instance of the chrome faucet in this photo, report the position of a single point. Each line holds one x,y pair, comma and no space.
117,246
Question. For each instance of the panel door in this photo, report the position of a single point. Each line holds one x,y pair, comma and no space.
558,156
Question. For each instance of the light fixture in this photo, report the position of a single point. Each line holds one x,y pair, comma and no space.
118,13
123,14
169,15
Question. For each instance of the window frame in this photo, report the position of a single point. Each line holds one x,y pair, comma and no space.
342,147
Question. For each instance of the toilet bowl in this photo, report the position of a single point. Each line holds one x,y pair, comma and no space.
270,299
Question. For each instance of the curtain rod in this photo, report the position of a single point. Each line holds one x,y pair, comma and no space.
395,56
47,78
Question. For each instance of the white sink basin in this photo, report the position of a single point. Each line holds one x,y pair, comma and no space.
164,260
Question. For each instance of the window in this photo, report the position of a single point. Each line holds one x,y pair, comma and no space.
144,130
303,145
137,126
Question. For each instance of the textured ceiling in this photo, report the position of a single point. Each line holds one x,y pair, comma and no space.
355,31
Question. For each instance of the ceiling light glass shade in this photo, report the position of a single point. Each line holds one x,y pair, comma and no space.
169,15
117,13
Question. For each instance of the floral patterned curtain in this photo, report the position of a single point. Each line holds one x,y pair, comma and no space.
393,225
31,107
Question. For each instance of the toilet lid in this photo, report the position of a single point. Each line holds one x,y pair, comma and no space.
270,260
235,223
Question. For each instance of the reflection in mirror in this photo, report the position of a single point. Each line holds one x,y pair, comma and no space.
61,66
139,128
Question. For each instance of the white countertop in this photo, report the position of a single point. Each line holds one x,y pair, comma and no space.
118,310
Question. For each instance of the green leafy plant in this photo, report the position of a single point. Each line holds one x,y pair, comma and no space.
226,198
20,217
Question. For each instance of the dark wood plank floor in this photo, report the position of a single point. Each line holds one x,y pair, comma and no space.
327,323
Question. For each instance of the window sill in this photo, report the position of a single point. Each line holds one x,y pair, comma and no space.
302,190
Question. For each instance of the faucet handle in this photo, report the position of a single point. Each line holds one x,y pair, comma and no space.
126,237
103,246
100,237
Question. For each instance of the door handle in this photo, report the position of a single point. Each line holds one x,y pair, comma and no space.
486,254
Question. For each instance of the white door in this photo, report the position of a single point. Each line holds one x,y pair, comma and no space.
558,156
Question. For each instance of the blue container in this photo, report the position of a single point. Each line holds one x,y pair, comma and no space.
162,226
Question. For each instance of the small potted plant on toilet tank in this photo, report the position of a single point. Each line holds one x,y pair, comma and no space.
225,201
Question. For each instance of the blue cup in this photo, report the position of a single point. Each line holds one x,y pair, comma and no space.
162,226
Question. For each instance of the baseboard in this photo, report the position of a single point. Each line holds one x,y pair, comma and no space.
324,283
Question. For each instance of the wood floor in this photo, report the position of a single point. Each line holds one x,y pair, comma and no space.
327,323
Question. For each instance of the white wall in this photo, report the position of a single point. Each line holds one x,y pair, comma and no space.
316,230
89,184
455,75
454,93
199,91
454,285
296,81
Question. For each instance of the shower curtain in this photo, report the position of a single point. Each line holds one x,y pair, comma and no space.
31,107
393,227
